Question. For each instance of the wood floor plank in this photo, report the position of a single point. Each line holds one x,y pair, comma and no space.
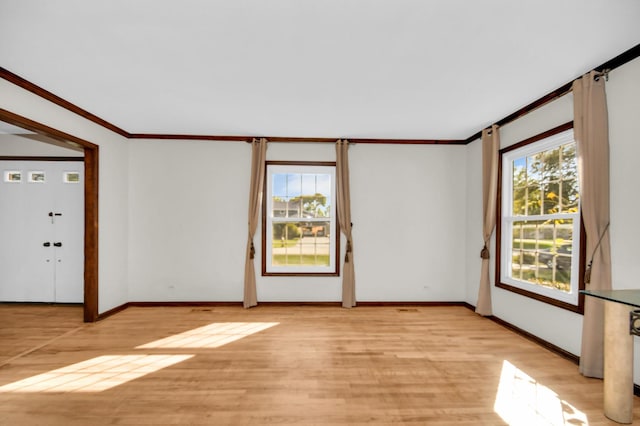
26,327
318,365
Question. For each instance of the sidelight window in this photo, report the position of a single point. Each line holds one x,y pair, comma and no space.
37,176
13,176
71,177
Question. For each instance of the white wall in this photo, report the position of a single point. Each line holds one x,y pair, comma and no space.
25,145
408,209
558,326
623,97
112,273
188,222
473,221
173,216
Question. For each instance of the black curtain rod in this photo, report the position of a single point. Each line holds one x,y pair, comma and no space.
604,69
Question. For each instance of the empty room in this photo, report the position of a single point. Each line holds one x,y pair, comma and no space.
319,213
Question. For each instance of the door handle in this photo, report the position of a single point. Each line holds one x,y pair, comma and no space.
47,244
52,216
57,244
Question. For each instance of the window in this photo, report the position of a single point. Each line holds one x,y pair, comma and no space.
300,234
36,177
71,177
13,176
539,231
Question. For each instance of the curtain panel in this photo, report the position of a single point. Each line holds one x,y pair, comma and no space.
490,147
591,131
258,158
344,219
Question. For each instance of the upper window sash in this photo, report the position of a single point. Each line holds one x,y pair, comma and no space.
507,168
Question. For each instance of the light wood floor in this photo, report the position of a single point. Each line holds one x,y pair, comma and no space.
285,365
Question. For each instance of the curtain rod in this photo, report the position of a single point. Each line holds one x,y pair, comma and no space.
602,70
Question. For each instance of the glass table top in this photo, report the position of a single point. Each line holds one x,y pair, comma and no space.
628,297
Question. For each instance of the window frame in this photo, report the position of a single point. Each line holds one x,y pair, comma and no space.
575,301
333,269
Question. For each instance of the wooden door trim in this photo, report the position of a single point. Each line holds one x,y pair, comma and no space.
91,163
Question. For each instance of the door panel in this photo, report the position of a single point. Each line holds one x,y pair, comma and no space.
26,266
32,268
69,232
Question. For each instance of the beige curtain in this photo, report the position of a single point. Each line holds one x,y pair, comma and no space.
344,219
591,131
490,147
258,156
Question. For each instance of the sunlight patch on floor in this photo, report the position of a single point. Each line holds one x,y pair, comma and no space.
521,400
210,336
95,375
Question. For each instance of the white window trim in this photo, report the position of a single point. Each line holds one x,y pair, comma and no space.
273,169
507,218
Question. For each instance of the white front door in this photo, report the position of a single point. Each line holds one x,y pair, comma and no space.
42,231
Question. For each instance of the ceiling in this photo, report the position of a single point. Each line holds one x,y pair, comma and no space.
9,129
398,69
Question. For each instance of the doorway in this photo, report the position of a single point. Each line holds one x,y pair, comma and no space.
90,195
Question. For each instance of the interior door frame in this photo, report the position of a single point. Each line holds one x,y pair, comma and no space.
91,170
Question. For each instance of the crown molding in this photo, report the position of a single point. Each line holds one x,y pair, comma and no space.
51,97
611,64
45,94
621,59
